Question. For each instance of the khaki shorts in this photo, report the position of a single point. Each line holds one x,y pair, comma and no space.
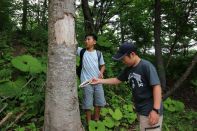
144,124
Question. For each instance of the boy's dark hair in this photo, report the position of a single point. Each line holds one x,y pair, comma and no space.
93,36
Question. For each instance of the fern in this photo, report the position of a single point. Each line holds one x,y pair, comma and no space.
27,63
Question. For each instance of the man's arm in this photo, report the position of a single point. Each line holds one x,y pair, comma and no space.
110,81
153,116
157,96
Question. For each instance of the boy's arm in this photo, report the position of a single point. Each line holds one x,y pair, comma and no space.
102,69
78,51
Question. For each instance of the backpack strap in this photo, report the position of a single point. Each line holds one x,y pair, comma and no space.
81,56
82,53
98,55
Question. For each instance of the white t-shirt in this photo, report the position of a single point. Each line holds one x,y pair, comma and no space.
90,66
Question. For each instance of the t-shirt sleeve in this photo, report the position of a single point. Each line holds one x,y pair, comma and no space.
101,62
123,76
152,75
79,50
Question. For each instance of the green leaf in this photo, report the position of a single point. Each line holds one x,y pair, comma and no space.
104,111
96,126
117,115
132,117
100,126
92,126
128,108
173,105
12,89
27,63
108,122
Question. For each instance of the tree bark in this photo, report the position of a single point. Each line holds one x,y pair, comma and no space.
88,18
44,18
61,100
157,44
122,34
24,18
183,78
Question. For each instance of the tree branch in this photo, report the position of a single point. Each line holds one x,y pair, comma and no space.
183,78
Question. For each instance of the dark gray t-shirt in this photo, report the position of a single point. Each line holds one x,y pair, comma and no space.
141,78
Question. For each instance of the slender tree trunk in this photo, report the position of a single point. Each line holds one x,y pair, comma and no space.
122,29
38,12
88,18
61,100
44,19
24,18
182,78
157,44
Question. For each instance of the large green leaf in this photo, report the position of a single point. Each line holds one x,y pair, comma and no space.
96,126
11,88
173,105
132,117
104,111
117,114
27,63
108,122
128,108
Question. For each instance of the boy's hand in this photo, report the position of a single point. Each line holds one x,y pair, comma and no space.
100,75
153,118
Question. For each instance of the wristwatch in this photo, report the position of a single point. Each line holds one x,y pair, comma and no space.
156,110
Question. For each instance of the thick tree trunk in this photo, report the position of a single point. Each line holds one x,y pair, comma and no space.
61,100
88,18
183,78
24,18
157,44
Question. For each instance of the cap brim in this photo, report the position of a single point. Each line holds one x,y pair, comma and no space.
118,56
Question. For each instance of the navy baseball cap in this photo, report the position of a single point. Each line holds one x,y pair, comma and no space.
124,49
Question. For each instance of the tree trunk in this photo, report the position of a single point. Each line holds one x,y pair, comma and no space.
61,100
44,19
183,78
38,12
157,44
24,18
122,34
88,18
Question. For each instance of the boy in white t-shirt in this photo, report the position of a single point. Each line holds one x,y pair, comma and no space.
92,66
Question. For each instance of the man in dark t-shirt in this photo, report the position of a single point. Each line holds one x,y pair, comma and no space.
143,78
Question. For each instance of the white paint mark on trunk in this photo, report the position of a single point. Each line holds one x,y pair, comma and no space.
64,30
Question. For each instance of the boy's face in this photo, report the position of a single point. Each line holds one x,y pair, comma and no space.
89,42
129,60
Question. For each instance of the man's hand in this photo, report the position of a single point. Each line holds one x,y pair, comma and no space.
95,81
153,118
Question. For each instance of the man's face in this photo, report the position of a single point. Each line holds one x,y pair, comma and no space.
89,42
129,60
